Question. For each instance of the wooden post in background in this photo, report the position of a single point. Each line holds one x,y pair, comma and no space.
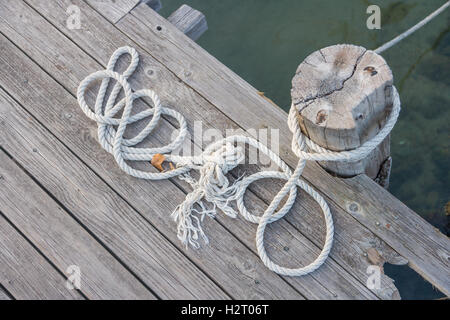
343,95
189,21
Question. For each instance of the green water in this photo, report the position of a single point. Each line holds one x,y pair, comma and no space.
263,41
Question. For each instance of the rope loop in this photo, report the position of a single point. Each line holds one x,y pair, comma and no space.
212,186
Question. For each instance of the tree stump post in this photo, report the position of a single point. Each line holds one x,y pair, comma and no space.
343,95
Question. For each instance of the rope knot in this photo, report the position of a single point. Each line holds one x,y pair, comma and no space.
212,186
225,158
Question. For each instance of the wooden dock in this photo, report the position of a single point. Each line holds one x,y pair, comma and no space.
64,201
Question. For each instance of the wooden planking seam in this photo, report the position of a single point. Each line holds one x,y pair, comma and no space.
41,281
104,275
311,168
269,274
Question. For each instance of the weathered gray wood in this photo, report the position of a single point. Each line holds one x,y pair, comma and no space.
343,94
113,10
235,274
427,249
223,88
155,260
161,266
189,21
61,239
339,287
25,273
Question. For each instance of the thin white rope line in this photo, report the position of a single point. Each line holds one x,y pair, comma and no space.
411,30
213,163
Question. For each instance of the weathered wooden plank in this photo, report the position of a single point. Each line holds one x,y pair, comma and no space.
336,286
236,275
25,273
113,10
228,92
427,249
61,239
147,253
126,246
161,266
189,21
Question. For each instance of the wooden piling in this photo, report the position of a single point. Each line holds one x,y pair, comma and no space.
190,21
343,95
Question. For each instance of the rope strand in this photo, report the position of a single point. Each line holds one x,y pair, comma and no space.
411,30
214,163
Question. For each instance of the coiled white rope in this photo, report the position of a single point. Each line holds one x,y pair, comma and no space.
413,29
214,162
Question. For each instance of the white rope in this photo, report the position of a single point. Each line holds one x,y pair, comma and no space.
214,163
414,28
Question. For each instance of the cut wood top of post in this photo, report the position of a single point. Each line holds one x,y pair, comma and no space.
343,94
189,21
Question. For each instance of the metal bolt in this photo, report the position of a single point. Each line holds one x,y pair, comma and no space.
353,207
